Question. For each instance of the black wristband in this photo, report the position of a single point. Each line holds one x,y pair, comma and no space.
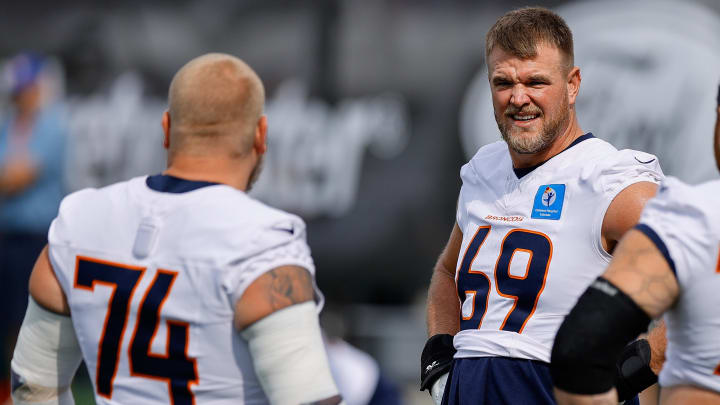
633,370
436,359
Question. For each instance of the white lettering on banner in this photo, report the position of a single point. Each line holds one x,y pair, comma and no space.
315,151
114,135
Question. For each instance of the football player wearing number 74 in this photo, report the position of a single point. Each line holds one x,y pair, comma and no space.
179,288
538,217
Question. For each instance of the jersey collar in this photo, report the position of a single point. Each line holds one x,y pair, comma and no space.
171,184
520,173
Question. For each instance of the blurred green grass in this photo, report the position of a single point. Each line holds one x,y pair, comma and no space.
82,387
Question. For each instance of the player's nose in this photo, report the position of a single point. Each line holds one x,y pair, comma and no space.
519,96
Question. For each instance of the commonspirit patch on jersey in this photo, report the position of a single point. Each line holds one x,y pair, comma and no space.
549,201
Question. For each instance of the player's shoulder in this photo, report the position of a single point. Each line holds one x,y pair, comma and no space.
238,206
710,190
494,151
85,209
677,196
488,161
82,200
606,157
615,169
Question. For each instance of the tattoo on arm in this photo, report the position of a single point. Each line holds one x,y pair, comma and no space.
641,271
289,286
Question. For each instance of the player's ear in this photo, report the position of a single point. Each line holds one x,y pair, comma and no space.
573,81
166,129
260,143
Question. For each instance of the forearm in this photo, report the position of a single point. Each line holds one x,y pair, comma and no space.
45,359
658,343
443,306
443,320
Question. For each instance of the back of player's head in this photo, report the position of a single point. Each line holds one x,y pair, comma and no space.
519,32
214,99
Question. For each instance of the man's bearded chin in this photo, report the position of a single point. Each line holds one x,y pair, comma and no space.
255,173
532,144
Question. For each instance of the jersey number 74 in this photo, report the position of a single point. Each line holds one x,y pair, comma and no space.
175,367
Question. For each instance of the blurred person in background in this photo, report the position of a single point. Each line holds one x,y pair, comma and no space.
359,377
530,209
32,138
668,264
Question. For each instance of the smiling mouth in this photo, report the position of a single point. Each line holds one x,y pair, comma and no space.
524,118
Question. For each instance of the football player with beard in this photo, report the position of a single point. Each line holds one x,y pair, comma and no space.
538,217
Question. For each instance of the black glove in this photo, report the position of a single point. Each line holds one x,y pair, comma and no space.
633,370
436,359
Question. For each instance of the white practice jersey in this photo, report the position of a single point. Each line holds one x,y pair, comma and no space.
532,245
684,223
151,269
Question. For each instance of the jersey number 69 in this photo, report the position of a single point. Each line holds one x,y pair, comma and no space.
474,286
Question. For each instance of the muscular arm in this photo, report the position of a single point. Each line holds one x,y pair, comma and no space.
279,321
277,289
624,212
657,338
45,288
47,353
640,270
443,306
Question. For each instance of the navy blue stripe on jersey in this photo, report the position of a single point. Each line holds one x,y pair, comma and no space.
520,173
581,138
650,233
171,184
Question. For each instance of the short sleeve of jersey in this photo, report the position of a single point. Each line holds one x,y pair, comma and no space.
59,236
493,155
461,215
627,167
679,222
280,244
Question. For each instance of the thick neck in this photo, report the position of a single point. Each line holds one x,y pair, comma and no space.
571,133
232,172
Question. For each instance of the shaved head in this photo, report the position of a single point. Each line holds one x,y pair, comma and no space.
214,103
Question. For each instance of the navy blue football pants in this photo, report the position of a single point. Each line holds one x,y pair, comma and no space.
500,381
